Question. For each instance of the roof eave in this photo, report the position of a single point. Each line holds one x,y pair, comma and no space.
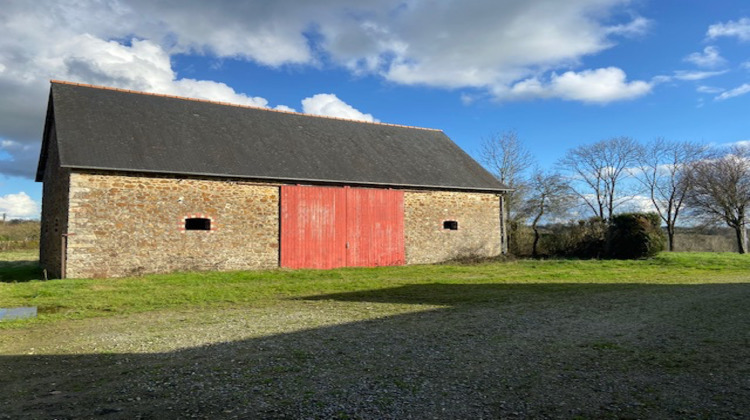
296,180
48,123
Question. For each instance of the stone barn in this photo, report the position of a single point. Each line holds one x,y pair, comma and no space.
142,183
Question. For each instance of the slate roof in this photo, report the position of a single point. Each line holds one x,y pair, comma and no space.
111,129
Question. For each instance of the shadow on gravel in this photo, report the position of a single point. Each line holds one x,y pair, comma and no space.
494,351
478,294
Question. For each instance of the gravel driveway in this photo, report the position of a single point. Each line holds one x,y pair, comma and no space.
568,351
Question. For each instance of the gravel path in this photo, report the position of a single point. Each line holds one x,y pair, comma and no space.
570,352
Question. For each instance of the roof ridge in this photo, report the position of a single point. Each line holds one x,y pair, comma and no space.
64,82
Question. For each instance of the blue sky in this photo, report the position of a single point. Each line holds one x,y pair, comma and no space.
559,73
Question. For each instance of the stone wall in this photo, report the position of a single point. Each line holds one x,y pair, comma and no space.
129,224
426,239
54,210
123,224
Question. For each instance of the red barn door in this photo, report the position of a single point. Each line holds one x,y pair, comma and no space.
312,232
327,227
375,227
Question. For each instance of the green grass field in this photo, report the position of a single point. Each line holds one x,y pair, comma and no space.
85,298
662,338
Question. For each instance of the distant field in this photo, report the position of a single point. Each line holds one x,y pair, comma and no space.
668,337
19,235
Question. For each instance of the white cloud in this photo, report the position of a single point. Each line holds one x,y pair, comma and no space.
639,204
738,91
284,108
686,75
745,65
268,33
696,75
411,42
709,89
710,58
469,98
216,91
19,206
739,29
741,143
452,44
661,79
592,86
637,27
329,105
488,45
142,65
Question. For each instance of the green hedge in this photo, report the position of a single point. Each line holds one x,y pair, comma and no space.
634,235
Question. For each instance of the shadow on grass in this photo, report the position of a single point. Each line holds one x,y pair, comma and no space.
494,351
20,271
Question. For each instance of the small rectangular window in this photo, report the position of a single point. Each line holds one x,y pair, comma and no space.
197,223
450,225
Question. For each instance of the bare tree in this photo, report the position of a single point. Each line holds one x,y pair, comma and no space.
506,157
598,169
548,194
721,190
663,169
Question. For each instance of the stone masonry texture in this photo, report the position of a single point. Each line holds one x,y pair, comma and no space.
123,224
130,224
478,233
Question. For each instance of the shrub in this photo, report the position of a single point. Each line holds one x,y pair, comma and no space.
593,233
582,239
634,235
520,238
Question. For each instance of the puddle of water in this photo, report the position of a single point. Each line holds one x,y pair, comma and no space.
7,314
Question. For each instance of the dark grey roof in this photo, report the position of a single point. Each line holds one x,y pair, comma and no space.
100,128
